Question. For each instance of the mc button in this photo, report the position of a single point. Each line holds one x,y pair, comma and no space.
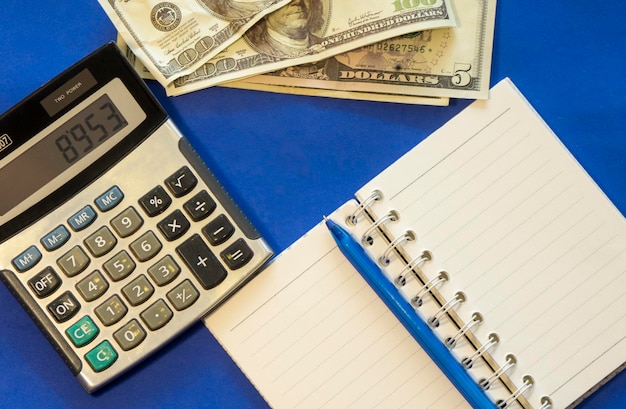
109,199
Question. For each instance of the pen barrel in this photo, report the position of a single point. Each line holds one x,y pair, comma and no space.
409,318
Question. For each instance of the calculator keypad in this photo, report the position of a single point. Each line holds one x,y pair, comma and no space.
128,268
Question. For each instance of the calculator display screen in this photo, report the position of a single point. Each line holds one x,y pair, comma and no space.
59,150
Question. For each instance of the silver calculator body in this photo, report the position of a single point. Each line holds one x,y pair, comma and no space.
114,236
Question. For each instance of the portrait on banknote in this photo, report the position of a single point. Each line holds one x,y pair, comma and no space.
290,31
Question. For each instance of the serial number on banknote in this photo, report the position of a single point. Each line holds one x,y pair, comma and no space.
395,47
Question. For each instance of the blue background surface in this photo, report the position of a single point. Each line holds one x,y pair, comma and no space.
288,160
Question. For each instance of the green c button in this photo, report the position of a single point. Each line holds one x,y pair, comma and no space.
101,357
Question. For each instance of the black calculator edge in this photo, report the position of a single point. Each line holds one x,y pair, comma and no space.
215,185
42,321
100,62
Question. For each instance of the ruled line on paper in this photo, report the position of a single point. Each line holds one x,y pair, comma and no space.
573,376
494,158
563,295
583,323
345,319
544,288
511,231
491,289
320,297
461,145
475,238
371,365
480,194
275,295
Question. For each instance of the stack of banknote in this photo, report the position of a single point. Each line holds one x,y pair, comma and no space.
408,51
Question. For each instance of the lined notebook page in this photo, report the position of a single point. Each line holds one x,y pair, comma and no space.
309,333
524,232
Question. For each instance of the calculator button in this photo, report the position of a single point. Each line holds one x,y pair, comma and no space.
202,262
82,218
157,315
237,254
155,201
83,332
127,222
164,271
183,296
109,199
92,286
56,238
138,290
64,307
200,206
120,266
174,225
181,182
218,230
146,246
101,357
101,242
74,261
111,311
27,259
130,335
45,283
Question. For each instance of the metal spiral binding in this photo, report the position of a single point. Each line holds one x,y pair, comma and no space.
528,382
468,362
366,238
374,197
459,297
511,361
477,318
546,403
418,299
408,236
417,262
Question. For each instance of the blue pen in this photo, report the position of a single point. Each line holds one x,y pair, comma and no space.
394,300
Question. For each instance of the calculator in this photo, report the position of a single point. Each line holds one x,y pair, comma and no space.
114,235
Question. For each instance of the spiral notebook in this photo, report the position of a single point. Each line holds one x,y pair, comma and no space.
499,239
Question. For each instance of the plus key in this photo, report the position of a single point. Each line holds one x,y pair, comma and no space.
202,262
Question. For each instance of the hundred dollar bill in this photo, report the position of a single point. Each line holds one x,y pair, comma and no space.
451,62
311,30
174,38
